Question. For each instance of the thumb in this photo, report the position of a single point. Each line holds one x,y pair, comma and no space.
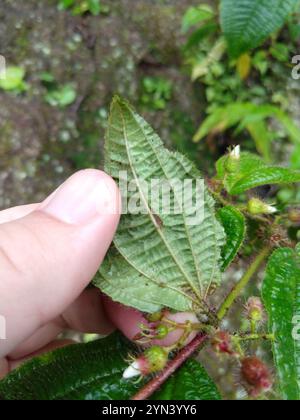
49,256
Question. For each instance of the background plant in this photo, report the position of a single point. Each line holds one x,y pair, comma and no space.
255,77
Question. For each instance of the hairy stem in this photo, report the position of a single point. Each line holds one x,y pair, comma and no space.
250,337
173,365
188,350
239,287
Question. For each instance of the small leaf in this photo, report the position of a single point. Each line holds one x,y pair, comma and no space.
196,15
94,7
90,371
200,34
244,66
247,23
163,258
234,225
61,96
216,53
190,382
281,295
252,172
13,79
65,4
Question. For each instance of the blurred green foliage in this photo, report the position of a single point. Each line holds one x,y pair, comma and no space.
14,80
156,92
80,7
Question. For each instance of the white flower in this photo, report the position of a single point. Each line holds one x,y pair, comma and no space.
132,370
271,209
236,152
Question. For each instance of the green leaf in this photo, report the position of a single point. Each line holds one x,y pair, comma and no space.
90,371
200,34
162,258
252,172
215,55
281,295
94,7
13,79
66,4
190,382
253,118
247,23
234,225
262,137
61,96
196,15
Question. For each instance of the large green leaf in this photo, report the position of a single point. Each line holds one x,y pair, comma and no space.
162,259
247,23
190,382
252,172
281,295
90,371
234,225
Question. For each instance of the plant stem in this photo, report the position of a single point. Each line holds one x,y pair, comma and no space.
173,365
188,350
249,337
239,287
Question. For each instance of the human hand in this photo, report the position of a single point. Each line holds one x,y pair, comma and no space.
49,253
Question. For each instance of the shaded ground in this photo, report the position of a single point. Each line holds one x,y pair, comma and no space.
41,145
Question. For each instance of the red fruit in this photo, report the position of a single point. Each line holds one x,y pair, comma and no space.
221,342
256,374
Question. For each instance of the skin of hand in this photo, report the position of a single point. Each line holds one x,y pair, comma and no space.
49,253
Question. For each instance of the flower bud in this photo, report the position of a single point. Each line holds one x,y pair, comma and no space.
294,215
221,342
256,375
256,207
254,309
155,317
233,159
161,331
152,360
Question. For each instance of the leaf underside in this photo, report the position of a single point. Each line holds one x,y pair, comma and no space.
247,23
190,382
159,259
281,295
90,371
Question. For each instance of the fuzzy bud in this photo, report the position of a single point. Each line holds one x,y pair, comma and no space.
294,215
256,375
255,309
155,317
233,159
256,207
221,342
152,360
161,331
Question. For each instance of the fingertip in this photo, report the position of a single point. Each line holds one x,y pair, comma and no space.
84,196
129,321
125,318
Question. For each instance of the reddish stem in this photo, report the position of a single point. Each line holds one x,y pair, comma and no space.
171,368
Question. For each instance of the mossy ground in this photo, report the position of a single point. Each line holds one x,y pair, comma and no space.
41,145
